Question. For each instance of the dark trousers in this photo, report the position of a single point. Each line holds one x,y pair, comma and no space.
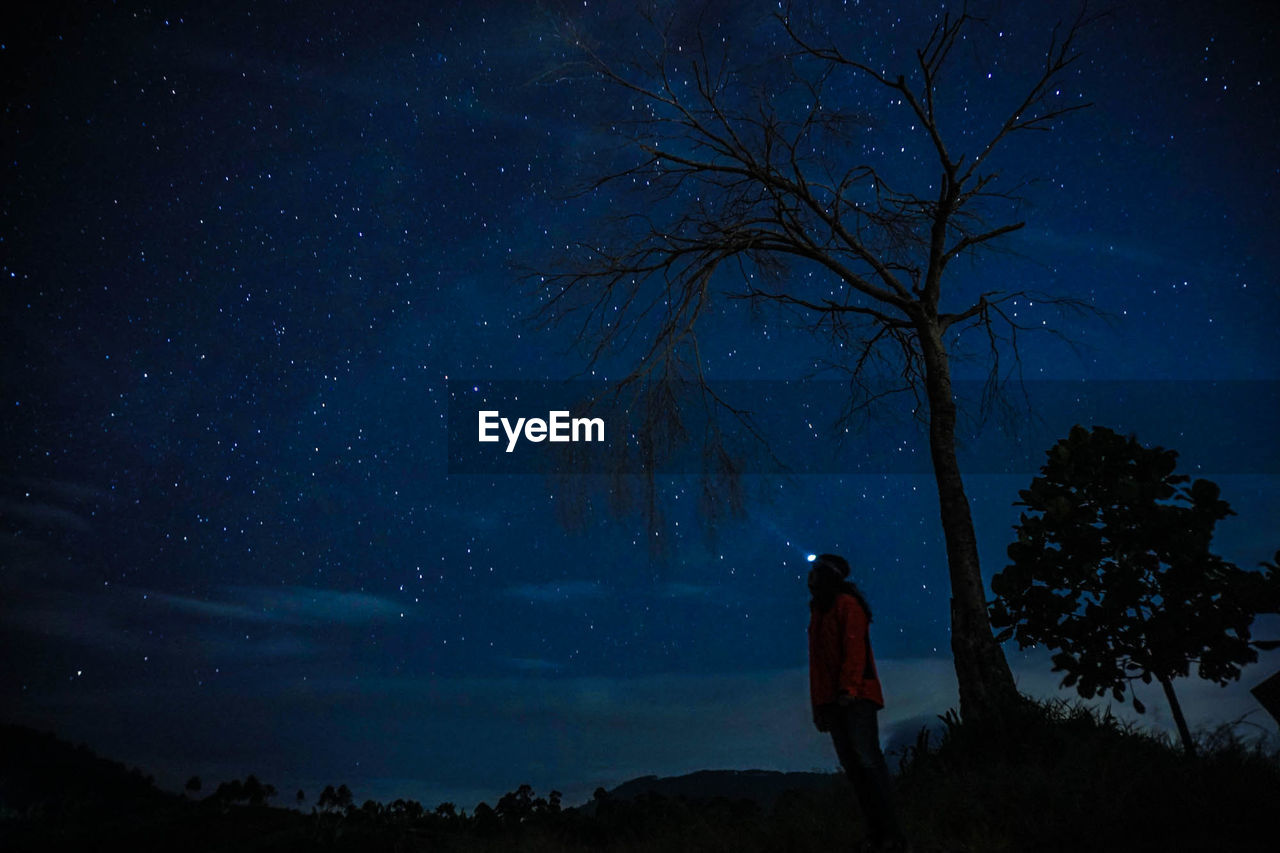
856,735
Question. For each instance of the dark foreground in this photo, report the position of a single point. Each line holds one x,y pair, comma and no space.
1054,779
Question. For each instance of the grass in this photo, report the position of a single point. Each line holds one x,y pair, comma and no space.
1060,776
1052,777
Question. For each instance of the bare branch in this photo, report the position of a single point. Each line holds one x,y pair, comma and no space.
1032,113
764,179
976,239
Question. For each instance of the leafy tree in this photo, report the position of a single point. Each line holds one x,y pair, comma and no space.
255,792
1112,568
228,793
410,810
516,806
193,786
520,806
251,791
765,184
337,800
484,818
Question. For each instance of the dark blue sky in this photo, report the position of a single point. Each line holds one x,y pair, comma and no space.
246,248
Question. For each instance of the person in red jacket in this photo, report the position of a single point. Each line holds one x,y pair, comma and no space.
846,694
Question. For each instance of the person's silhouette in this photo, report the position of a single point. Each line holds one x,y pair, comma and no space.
846,693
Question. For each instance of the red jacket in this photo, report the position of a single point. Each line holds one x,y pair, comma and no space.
840,659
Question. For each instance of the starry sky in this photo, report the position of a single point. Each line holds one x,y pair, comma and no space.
249,249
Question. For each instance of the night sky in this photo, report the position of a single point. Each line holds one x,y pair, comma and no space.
246,250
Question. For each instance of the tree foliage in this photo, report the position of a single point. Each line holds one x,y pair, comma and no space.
1112,569
251,791
332,799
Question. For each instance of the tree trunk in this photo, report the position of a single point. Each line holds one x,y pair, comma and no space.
1185,733
985,681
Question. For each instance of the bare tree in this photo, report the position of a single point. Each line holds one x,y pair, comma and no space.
748,180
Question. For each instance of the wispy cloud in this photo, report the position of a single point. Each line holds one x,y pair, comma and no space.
65,619
687,590
533,664
557,591
64,491
34,513
275,623
287,605
579,590
221,610
1107,248
37,502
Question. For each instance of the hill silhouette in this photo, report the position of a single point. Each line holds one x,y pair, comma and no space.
42,776
761,787
57,796
1057,778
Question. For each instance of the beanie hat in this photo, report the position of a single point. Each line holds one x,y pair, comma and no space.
833,564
